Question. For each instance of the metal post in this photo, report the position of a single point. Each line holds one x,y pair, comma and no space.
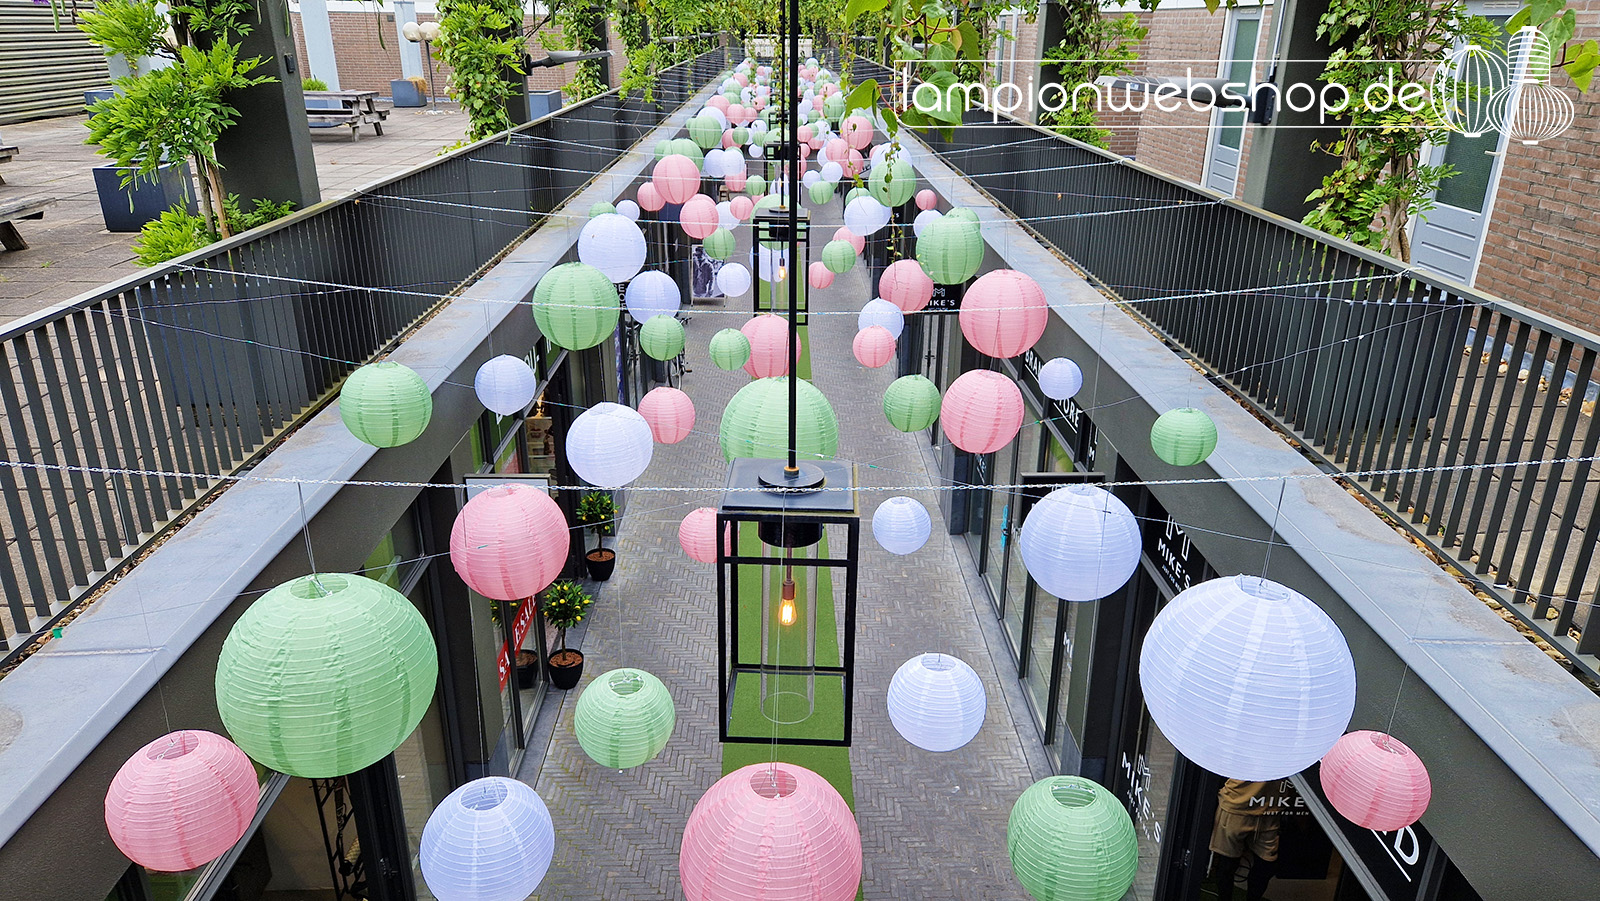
792,109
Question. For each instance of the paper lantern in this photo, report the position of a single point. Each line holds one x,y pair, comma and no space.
326,674
669,412
901,525
688,149
697,535
756,422
705,131
981,411
893,183
609,445
742,207
1060,378
821,193
865,215
698,216
857,130
873,346
628,209
926,199
1003,313
1071,840
624,718
181,801
576,306
838,256
652,293
650,197
936,701
1183,437
1080,543
1247,678
600,208
831,172
911,403
385,404
880,312
819,275
769,346
771,830
729,348
756,186
857,243
505,384
489,840
661,337
950,250
1375,781
509,542
924,218
734,279
905,285
719,244
676,177
963,214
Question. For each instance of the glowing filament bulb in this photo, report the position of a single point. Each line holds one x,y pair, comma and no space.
786,608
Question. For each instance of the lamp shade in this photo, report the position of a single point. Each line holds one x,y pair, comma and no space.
893,182
650,198
652,293
729,348
385,404
981,411
698,217
609,445
880,312
769,346
1080,543
719,244
771,830
733,279
820,275
1071,840
575,306
1003,313
489,840
1183,437
624,718
926,199
613,244
697,535
1375,781
325,674
905,285
936,701
950,250
873,346
1247,678
901,525
509,542
669,412
839,256
756,422
911,403
505,384
181,801
1060,378
676,178
661,337
705,131
865,216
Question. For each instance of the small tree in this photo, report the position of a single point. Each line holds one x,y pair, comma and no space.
565,604
598,513
483,43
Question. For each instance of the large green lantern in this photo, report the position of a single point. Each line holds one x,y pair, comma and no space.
755,185
385,404
1071,840
705,131
965,214
821,192
1183,437
576,306
325,675
687,147
624,718
661,337
893,183
950,250
912,403
756,422
853,193
719,244
600,208
741,135
730,349
839,256
833,107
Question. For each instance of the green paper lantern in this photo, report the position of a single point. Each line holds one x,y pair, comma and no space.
1183,437
756,422
741,135
325,675
663,147
755,186
821,192
719,244
705,131
576,306
964,214
893,183
385,404
950,250
853,193
912,403
730,349
839,256
661,337
833,107
687,147
1071,840
624,718
600,209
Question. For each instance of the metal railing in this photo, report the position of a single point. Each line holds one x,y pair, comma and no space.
1379,370
200,364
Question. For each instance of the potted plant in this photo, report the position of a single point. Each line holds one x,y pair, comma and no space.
598,513
565,605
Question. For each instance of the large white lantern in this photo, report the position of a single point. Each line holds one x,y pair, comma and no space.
1247,678
937,702
901,525
614,245
505,384
881,312
609,445
1060,378
831,172
1080,543
652,293
489,840
923,220
865,216
733,279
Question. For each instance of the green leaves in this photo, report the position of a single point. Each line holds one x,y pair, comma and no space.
863,96
855,8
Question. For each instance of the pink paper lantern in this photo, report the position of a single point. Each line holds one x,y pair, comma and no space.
806,133
509,542
820,275
772,831
926,199
727,140
670,413
676,177
873,346
769,346
697,535
844,234
905,285
805,151
742,79
735,113
836,149
698,217
1375,781
718,102
853,163
181,801
650,199
857,132
1004,313
743,206
981,412
737,182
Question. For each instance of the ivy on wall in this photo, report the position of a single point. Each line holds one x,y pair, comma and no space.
482,41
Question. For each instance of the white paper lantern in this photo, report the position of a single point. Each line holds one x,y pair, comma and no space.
923,220
733,162
881,312
652,293
937,702
811,177
505,384
1248,678
609,445
1060,378
628,210
489,840
733,279
901,525
711,165
725,217
614,245
771,263
831,172
865,216
756,151
1080,543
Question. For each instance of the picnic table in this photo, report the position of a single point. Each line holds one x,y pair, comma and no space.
20,208
6,153
351,109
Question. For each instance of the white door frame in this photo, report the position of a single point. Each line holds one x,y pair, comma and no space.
1225,62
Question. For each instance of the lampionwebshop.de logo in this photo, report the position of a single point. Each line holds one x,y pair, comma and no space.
1474,90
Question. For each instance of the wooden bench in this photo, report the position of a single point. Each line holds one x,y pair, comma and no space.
350,109
20,208
6,153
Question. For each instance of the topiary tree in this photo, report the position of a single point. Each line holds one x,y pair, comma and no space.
482,42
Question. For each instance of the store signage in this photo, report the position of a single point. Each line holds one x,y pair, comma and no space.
1136,773
946,298
519,632
1168,545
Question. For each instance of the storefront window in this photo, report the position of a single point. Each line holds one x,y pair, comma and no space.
1148,777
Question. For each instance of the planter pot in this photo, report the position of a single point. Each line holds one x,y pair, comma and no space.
601,562
145,199
406,93
527,670
90,98
543,103
566,668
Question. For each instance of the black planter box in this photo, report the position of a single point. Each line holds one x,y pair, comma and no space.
145,199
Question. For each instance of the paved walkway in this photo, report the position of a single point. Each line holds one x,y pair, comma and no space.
933,825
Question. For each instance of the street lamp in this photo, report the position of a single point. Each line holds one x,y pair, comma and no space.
562,57
425,34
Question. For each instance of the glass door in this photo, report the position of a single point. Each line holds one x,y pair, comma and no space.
1227,129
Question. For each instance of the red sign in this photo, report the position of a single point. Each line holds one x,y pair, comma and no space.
519,632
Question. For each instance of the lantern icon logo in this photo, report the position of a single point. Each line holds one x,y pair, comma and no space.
1464,88
1529,108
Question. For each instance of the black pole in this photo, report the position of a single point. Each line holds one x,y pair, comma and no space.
792,108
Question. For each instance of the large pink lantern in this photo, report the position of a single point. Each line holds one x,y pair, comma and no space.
1004,313
697,535
981,411
857,132
718,102
735,113
873,346
509,542
905,285
926,199
820,275
737,181
1375,781
650,199
853,163
698,217
676,177
806,133
670,413
742,207
772,831
769,346
844,234
181,801
836,149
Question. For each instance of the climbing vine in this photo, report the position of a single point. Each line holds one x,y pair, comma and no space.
482,42
582,24
1092,45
